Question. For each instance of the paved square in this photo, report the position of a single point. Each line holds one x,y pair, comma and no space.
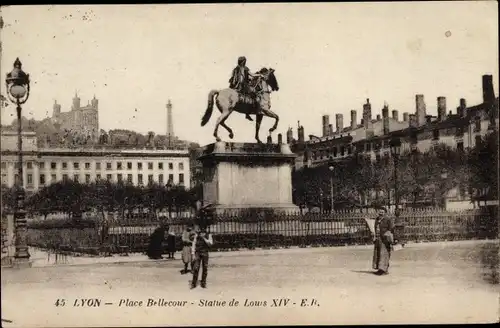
429,283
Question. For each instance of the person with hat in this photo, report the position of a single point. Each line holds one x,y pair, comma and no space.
199,251
383,239
187,242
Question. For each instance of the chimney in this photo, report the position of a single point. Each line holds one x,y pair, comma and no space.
280,139
488,92
420,109
330,129
326,122
462,109
378,117
405,117
301,134
441,108
395,115
367,113
289,136
339,122
385,118
354,119
413,123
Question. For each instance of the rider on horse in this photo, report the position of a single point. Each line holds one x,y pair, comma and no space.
239,80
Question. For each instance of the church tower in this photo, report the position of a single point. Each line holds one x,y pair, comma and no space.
76,102
56,109
94,103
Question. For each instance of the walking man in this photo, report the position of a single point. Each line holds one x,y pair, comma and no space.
383,239
201,244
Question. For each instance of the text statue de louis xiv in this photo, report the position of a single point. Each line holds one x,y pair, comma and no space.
248,94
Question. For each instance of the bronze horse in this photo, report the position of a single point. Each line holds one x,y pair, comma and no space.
229,100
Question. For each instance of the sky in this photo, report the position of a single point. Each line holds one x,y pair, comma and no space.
328,58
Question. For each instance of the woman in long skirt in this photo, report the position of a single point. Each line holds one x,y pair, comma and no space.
187,241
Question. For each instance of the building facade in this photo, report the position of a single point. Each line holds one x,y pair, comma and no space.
460,130
44,166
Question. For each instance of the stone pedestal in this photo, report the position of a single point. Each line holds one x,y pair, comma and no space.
240,176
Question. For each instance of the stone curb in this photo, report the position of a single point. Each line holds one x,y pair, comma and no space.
136,258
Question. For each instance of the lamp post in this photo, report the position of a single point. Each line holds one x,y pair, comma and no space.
395,145
17,85
169,188
331,168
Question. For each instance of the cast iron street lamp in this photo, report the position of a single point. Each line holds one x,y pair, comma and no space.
17,85
396,152
331,168
169,188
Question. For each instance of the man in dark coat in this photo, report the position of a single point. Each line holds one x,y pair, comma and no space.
383,240
201,244
155,247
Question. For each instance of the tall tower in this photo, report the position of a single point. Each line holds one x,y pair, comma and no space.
76,102
170,123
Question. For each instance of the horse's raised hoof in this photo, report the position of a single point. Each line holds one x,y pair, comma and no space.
231,135
272,130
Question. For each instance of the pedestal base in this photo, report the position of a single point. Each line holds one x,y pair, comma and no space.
244,176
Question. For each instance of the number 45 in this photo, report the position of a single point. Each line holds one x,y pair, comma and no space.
60,302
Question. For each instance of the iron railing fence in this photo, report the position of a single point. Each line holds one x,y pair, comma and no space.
234,231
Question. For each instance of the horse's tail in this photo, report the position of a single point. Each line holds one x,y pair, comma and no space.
210,107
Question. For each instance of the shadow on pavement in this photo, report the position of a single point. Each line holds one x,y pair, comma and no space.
364,271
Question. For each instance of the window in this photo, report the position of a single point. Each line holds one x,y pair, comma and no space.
53,178
139,166
64,165
334,151
65,177
368,146
435,134
4,165
53,165
181,178
16,178
181,166
98,166
97,177
160,166
76,177
118,165
30,178
129,165
42,179
41,165
160,179
150,165
76,165
29,165
87,166
139,179
129,178
170,166
150,178
478,141
460,145
108,166
349,150
477,125
342,151
87,178
4,179
109,177
120,178
171,178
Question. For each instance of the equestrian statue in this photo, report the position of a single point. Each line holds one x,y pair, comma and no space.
248,94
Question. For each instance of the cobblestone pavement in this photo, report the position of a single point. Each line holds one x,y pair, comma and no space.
429,283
